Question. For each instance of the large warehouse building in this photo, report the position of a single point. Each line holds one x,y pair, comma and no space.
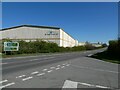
45,33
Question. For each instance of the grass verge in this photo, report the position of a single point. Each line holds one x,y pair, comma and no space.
105,56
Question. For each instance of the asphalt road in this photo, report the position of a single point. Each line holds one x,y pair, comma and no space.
64,70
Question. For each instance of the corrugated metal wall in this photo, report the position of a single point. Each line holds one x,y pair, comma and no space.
47,34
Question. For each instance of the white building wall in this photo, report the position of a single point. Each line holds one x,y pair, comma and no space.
33,33
66,40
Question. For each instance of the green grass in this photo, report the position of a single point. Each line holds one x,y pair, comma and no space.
105,56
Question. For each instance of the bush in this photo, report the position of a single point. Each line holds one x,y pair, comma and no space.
40,46
114,48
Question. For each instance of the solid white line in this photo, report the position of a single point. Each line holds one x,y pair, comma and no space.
3,63
27,78
34,72
90,55
3,81
70,84
49,71
52,67
57,68
40,74
44,70
86,84
9,84
21,76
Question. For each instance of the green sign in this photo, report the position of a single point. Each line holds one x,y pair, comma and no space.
11,46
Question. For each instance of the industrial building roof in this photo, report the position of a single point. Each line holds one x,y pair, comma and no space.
31,26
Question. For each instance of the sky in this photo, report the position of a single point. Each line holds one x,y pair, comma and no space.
85,21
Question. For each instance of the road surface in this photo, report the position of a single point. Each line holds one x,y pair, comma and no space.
63,70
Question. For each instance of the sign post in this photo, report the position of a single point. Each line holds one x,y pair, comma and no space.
11,46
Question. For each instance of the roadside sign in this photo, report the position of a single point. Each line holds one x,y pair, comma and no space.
11,46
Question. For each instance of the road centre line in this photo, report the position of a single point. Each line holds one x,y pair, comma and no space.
27,78
9,84
52,67
68,65
40,74
58,65
3,81
62,66
95,69
21,76
34,72
57,68
49,71
44,70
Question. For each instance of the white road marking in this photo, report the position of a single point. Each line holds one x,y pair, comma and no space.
68,65
3,63
21,76
34,72
40,74
90,55
57,68
58,65
3,81
49,71
44,70
70,84
52,67
27,78
73,84
91,85
62,66
9,84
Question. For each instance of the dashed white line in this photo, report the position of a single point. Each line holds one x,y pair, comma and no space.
57,68
20,76
62,66
40,74
44,70
3,81
36,72
9,84
49,71
27,78
52,67
58,65
68,65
